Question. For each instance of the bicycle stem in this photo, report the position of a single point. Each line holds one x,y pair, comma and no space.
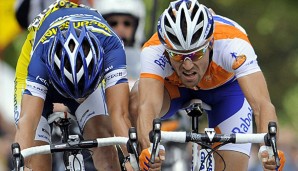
194,111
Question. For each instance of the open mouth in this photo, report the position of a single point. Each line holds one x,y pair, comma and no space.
190,76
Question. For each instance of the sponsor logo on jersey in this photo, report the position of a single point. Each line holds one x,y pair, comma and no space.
206,160
15,101
84,21
118,74
109,68
239,61
43,137
162,61
42,80
245,123
36,87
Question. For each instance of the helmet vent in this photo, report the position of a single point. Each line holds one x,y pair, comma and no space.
57,71
188,4
173,38
170,11
71,45
197,34
194,11
67,65
79,63
86,47
183,25
58,50
177,5
96,49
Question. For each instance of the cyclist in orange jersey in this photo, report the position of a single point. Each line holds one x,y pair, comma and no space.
196,54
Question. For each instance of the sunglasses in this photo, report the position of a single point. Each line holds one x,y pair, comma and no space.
125,23
194,56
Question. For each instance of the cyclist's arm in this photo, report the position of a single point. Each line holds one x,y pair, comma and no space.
151,93
31,109
117,102
255,90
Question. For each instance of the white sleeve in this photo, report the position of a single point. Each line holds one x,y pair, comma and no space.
154,62
238,57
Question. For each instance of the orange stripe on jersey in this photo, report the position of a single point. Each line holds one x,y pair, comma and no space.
223,31
154,40
214,77
149,75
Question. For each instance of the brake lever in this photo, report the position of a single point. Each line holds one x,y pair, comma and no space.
155,138
17,156
132,144
272,131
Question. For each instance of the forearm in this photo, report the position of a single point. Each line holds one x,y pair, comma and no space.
25,133
120,128
265,115
144,126
25,136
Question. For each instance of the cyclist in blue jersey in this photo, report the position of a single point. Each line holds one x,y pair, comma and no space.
71,56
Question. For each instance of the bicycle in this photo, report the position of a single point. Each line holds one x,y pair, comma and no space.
207,139
71,145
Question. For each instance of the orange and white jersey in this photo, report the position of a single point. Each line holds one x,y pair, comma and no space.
232,57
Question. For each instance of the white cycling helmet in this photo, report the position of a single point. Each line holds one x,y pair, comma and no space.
185,25
135,8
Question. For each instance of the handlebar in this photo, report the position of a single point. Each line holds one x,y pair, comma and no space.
211,137
19,155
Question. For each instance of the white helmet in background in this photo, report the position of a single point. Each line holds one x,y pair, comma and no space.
135,8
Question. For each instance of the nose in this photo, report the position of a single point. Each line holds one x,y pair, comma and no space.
187,64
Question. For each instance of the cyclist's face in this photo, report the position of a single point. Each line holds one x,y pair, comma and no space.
123,25
191,72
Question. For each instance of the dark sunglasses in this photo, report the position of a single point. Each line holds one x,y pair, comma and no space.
114,23
194,56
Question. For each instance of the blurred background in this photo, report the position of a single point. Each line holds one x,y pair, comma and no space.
272,29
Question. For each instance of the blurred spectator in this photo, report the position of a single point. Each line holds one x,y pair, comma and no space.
8,32
127,18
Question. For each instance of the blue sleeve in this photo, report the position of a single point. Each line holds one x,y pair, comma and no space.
37,82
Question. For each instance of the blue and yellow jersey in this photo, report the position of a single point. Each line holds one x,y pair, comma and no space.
31,73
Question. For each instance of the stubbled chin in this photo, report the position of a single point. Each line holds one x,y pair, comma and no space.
190,83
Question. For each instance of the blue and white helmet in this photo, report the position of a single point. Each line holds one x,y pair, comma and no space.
75,62
185,25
